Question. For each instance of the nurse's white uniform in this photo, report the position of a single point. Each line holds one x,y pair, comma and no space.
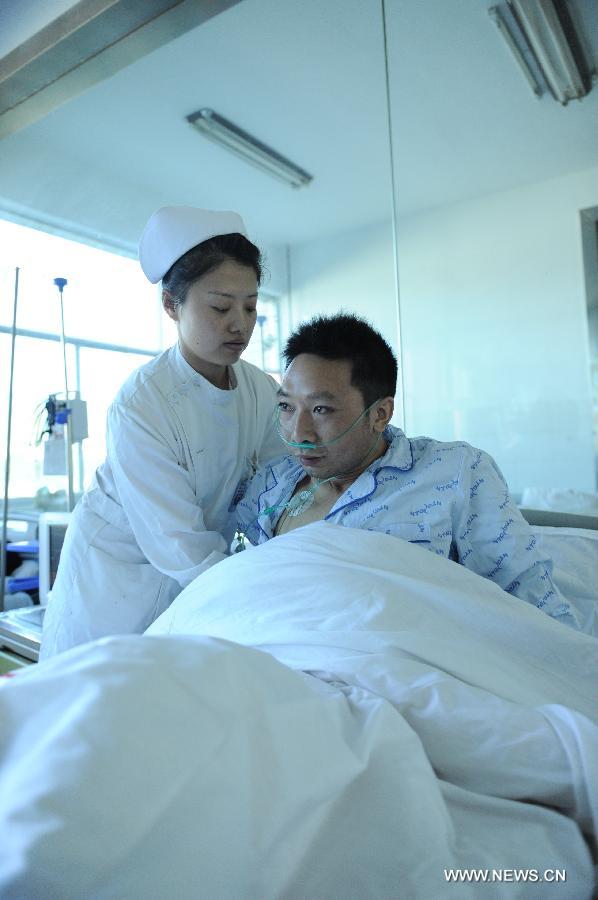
158,511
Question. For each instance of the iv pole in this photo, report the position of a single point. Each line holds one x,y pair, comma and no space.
8,436
68,443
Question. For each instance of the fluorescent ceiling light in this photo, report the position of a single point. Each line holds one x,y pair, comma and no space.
228,135
505,23
541,36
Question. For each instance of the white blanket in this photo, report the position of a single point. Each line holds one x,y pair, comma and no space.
449,726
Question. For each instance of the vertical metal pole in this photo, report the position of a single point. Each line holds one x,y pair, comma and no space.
261,321
60,283
8,437
395,236
68,444
290,311
68,433
276,301
81,479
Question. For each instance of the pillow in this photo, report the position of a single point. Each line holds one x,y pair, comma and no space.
574,553
565,500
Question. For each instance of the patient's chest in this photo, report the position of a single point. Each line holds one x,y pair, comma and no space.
405,507
319,507
423,502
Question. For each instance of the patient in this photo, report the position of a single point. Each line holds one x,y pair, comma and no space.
348,465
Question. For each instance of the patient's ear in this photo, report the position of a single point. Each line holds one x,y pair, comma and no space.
170,305
382,413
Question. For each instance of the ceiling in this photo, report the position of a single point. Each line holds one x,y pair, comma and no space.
308,78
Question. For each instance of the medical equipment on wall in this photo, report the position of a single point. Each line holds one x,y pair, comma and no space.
61,416
52,528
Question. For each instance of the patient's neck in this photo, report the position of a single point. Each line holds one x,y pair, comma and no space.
333,488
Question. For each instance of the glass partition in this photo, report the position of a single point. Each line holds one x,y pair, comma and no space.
490,182
309,81
319,71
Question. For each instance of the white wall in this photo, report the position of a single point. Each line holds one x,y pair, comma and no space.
495,329
353,271
493,321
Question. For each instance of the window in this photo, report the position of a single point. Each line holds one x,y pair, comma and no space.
264,348
113,323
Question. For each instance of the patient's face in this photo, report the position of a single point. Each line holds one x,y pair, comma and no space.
316,404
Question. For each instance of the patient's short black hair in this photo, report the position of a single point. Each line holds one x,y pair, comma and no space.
347,336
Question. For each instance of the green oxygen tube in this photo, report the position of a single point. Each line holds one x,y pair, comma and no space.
304,499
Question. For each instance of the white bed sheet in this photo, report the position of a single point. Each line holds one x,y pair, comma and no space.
444,724
574,553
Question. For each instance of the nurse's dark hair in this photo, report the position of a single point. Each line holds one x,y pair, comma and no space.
347,336
206,257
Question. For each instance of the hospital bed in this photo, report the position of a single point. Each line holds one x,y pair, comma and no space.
333,714
21,629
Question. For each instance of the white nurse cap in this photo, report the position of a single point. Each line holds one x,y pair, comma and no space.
173,230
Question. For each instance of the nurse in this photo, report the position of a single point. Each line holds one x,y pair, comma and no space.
183,435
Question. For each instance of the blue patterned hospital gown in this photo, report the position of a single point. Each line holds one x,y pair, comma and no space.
450,498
